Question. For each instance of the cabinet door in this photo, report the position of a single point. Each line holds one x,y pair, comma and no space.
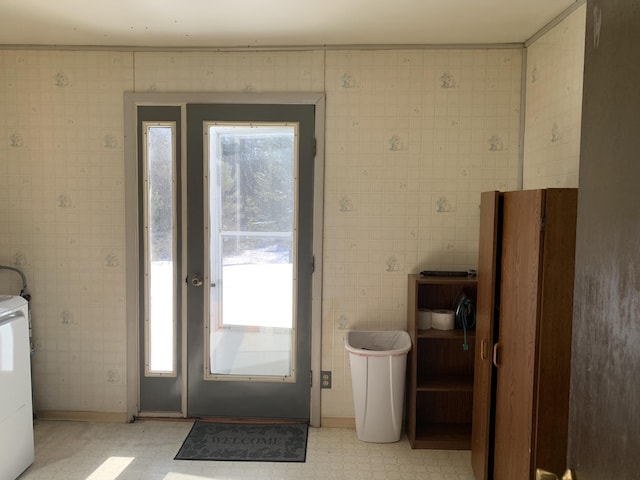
553,360
514,353
488,274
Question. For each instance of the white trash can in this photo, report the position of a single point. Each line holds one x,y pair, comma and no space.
378,365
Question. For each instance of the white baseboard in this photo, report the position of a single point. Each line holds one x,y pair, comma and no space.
338,422
107,417
122,417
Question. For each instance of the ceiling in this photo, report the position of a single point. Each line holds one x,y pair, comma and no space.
271,23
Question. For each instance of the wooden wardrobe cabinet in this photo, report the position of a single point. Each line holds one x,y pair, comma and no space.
523,333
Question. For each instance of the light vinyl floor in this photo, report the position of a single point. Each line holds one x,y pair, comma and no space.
145,450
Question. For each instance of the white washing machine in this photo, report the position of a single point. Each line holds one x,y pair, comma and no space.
16,416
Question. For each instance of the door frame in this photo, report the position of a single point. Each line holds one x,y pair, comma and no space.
132,101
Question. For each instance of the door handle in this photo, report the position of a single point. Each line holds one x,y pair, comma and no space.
196,280
544,475
484,349
495,354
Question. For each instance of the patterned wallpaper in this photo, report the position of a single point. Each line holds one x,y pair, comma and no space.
555,63
62,216
412,138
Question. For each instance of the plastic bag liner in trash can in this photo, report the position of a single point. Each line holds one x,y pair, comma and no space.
378,365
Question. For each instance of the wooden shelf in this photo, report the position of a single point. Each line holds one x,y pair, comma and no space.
446,436
471,281
445,383
440,396
457,333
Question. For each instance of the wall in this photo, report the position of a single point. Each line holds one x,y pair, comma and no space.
554,105
62,216
412,138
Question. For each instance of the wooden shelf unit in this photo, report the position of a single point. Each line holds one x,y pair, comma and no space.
440,370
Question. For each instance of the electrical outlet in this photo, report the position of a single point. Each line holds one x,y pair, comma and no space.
325,379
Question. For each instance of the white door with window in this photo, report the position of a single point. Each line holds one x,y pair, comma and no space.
226,259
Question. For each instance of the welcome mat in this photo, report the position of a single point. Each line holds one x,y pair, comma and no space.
285,442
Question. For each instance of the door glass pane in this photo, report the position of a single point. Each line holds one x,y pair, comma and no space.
159,252
252,258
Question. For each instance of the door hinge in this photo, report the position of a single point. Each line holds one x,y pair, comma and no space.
313,264
543,224
315,147
310,378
